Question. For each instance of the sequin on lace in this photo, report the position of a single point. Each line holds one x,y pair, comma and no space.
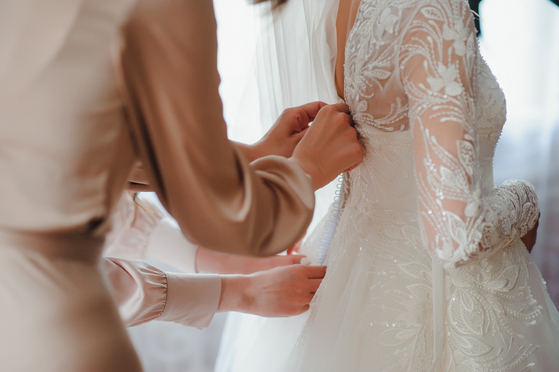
430,113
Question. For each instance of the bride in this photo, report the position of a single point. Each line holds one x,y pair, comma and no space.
427,270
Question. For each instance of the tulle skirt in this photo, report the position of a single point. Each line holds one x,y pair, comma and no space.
375,311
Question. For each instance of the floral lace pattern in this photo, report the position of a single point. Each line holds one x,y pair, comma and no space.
438,64
430,113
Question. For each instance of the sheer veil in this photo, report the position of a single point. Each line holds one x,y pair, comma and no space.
294,59
295,56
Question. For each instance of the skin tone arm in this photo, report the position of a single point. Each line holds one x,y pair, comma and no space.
283,291
271,286
323,150
224,263
284,135
282,139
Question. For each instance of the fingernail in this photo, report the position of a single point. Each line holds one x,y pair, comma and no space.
305,261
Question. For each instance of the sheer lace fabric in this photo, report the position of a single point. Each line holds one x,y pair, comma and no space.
422,80
426,271
430,113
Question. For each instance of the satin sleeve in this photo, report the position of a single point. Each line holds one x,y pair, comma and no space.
437,63
170,79
144,293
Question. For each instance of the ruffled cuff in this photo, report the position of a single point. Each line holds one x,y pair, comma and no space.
192,300
140,290
520,210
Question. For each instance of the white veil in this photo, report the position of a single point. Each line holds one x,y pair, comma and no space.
294,61
295,56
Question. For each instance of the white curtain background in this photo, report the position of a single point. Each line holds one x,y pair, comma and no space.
520,42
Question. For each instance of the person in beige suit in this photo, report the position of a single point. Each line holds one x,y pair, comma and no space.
75,118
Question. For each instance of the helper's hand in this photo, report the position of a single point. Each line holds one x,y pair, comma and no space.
330,146
529,239
283,291
211,261
288,130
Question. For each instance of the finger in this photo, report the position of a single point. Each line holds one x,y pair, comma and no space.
300,131
293,259
350,169
312,108
309,298
298,136
315,272
341,107
314,284
295,248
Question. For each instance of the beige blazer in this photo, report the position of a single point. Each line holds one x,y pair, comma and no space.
70,135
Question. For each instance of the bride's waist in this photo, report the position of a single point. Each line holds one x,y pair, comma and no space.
374,203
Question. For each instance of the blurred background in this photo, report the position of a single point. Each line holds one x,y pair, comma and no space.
520,42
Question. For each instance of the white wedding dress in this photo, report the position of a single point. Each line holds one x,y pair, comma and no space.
426,269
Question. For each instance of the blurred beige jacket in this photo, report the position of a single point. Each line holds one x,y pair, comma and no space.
70,135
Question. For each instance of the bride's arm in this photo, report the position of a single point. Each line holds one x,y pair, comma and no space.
437,64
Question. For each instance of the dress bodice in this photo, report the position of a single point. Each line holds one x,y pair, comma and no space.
386,304
430,112
378,98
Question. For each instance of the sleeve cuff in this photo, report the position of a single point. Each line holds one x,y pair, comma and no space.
192,300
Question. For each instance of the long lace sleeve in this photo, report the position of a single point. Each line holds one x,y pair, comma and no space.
437,62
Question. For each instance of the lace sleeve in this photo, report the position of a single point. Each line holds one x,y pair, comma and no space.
437,62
